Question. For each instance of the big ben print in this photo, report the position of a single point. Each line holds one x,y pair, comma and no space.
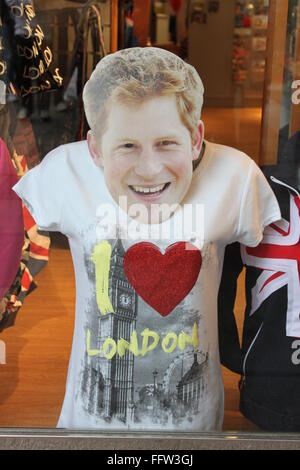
108,385
118,371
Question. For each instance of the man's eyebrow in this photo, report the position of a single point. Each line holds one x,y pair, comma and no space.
170,137
161,137
126,139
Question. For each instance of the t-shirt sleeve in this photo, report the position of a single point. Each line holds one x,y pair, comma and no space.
259,207
42,191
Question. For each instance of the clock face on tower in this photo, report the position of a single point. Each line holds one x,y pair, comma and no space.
125,300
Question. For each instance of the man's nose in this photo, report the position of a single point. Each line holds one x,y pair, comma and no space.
148,164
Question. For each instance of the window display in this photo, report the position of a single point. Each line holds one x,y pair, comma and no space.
144,176
107,372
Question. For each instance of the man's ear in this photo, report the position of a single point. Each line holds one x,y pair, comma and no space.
93,148
198,140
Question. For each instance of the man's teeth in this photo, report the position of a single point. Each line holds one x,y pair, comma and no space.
140,189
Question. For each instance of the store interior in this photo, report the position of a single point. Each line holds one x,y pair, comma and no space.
226,41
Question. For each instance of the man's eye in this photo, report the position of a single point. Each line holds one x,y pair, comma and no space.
166,142
128,145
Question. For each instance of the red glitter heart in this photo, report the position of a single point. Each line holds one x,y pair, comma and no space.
162,280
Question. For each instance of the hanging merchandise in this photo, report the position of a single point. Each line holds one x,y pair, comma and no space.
239,13
176,5
89,25
246,21
11,224
24,141
130,39
260,21
250,42
240,58
34,256
198,12
25,60
268,359
6,56
259,43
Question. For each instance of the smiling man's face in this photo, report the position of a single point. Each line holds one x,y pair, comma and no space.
147,153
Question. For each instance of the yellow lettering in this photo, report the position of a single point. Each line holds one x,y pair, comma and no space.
46,85
32,73
39,35
17,10
170,337
109,343
184,338
28,30
48,56
133,346
25,51
169,343
146,334
30,13
35,49
2,67
57,77
101,259
41,67
91,352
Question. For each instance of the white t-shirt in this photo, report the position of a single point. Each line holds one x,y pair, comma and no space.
146,357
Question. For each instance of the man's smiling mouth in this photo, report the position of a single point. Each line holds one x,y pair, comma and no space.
149,191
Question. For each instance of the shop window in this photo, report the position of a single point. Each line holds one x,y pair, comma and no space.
247,53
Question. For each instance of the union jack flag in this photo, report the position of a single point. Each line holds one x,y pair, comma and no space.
278,256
